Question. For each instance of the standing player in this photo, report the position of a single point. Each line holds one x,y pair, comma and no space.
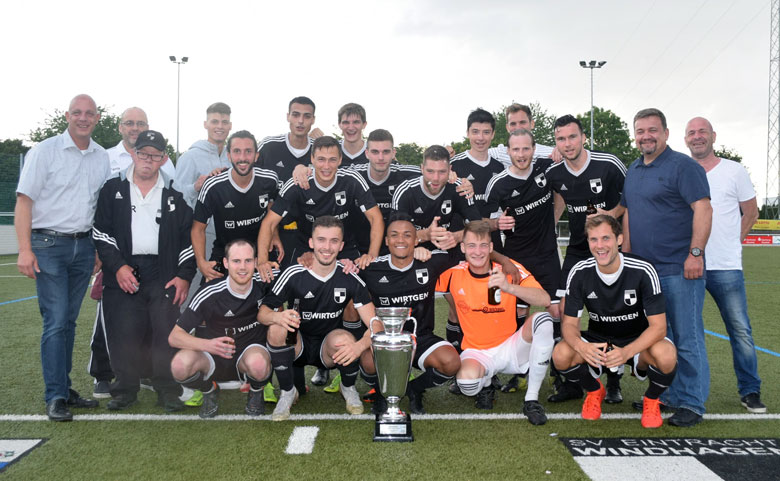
585,179
383,177
521,206
234,343
316,299
433,202
627,322
519,116
238,200
398,279
352,121
333,192
492,343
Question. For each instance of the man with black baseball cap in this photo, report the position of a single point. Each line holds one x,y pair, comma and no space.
142,235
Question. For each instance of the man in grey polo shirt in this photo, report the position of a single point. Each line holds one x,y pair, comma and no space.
55,203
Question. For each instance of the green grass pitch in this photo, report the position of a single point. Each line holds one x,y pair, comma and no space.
470,445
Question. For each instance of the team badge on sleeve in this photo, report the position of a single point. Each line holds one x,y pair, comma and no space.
263,199
422,276
595,185
541,181
629,297
341,198
446,207
340,294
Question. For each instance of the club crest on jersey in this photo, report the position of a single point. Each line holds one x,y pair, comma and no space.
446,207
391,189
629,297
422,276
595,185
541,180
230,224
341,197
263,200
384,301
340,295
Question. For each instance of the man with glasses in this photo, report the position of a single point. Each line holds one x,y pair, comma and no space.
142,233
132,122
55,204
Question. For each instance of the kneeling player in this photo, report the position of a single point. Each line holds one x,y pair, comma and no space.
627,322
316,299
235,347
491,342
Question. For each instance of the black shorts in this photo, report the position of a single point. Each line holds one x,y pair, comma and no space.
546,269
426,344
227,369
619,342
573,256
311,352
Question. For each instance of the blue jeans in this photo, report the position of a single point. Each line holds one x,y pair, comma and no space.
66,265
685,327
728,290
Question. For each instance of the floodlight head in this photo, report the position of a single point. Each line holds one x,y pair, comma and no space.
582,63
184,59
592,63
601,63
173,59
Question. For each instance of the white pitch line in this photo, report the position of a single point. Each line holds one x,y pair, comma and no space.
302,440
362,417
8,264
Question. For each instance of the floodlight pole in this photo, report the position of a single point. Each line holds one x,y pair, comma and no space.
178,95
593,64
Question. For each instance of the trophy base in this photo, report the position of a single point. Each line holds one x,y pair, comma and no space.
393,430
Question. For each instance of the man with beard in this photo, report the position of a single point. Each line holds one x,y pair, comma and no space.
316,299
238,200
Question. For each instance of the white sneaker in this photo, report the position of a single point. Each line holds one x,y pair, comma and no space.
320,377
354,404
286,400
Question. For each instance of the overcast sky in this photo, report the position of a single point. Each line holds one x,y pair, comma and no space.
418,67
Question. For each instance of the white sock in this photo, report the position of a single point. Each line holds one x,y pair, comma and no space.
539,357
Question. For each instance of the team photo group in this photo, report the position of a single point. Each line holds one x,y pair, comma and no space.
249,260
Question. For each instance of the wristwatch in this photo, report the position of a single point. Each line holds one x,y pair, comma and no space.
696,252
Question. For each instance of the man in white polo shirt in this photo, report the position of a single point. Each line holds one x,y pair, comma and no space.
55,204
132,122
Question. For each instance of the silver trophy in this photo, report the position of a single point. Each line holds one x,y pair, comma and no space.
393,351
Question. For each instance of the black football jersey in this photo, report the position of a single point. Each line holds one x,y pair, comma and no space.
275,153
227,313
237,212
319,300
620,309
383,196
479,173
451,208
529,200
303,206
599,182
348,161
412,287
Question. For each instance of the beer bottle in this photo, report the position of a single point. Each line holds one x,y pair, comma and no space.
292,336
591,209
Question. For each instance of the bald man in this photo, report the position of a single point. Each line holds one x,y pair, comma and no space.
132,122
734,211
55,204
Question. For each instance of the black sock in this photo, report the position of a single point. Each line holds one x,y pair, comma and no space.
299,380
282,358
454,335
430,378
520,321
196,382
256,385
658,381
613,378
371,379
349,373
580,374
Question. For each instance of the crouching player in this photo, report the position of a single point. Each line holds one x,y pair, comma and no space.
312,331
627,322
235,345
491,342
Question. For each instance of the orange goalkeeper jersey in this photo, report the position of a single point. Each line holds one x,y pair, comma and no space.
483,325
